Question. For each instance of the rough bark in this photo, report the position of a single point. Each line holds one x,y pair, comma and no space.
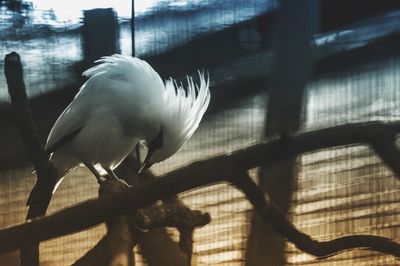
40,196
116,247
124,232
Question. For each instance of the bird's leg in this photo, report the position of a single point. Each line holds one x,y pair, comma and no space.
111,174
94,171
137,150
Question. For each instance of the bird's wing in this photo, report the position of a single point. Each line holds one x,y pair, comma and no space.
117,84
67,126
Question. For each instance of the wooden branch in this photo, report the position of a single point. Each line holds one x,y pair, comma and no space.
206,172
175,214
171,215
46,173
302,241
40,196
384,144
115,248
186,243
181,217
169,253
197,174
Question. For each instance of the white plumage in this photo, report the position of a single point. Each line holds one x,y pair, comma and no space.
123,102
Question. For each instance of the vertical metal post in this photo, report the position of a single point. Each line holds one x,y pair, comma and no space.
100,33
133,27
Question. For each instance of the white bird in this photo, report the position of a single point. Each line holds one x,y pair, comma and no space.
125,102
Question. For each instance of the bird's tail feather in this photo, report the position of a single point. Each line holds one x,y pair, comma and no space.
63,165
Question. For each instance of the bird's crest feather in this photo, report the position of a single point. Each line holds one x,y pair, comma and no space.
187,107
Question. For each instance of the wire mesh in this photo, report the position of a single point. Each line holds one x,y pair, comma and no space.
338,191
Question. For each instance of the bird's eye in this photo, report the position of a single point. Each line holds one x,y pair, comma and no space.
157,142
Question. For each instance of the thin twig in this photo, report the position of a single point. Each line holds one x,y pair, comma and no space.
46,174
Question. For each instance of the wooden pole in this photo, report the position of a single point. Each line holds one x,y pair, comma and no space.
133,28
100,34
297,22
40,196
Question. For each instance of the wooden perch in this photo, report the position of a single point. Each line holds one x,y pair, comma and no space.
220,168
122,232
115,248
176,214
40,196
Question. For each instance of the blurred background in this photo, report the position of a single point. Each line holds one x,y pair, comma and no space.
275,67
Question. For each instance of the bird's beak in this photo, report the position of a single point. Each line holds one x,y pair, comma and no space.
146,163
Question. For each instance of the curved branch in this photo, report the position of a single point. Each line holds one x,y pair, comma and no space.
321,249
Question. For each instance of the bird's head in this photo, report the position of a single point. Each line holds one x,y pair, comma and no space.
163,146
182,113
